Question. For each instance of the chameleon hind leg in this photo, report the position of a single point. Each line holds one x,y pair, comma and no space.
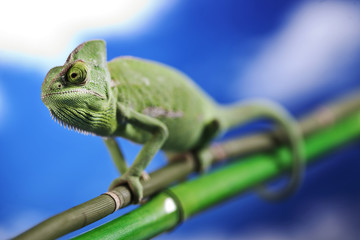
242,113
204,157
199,154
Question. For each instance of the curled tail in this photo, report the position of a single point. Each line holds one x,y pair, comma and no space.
239,114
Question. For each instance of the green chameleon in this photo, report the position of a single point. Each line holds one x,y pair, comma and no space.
154,105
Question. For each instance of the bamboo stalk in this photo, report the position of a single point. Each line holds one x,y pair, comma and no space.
166,210
103,205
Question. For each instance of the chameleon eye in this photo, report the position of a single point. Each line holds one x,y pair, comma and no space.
77,73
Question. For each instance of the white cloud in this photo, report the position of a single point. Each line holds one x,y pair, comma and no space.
45,28
318,41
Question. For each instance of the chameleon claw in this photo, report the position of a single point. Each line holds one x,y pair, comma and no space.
134,184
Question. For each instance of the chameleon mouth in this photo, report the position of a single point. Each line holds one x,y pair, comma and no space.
77,91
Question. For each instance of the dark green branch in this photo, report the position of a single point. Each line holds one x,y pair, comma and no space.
99,207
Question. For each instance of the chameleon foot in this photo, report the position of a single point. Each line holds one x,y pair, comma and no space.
205,160
134,184
145,176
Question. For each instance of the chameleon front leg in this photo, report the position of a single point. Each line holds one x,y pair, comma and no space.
158,134
116,154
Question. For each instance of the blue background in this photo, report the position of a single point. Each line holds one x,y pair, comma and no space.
45,169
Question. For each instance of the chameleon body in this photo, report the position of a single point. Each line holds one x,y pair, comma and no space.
151,104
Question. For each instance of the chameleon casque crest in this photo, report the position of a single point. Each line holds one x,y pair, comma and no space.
151,104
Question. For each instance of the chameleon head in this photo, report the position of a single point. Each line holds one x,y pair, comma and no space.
78,93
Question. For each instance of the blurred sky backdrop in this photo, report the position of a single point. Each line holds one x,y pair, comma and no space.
300,53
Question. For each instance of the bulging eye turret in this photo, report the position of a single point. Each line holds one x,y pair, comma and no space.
77,74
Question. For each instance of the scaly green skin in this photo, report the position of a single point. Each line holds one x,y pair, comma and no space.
151,104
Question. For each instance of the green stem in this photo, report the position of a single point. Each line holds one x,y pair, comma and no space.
206,191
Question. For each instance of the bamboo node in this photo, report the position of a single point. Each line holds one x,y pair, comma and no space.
116,199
